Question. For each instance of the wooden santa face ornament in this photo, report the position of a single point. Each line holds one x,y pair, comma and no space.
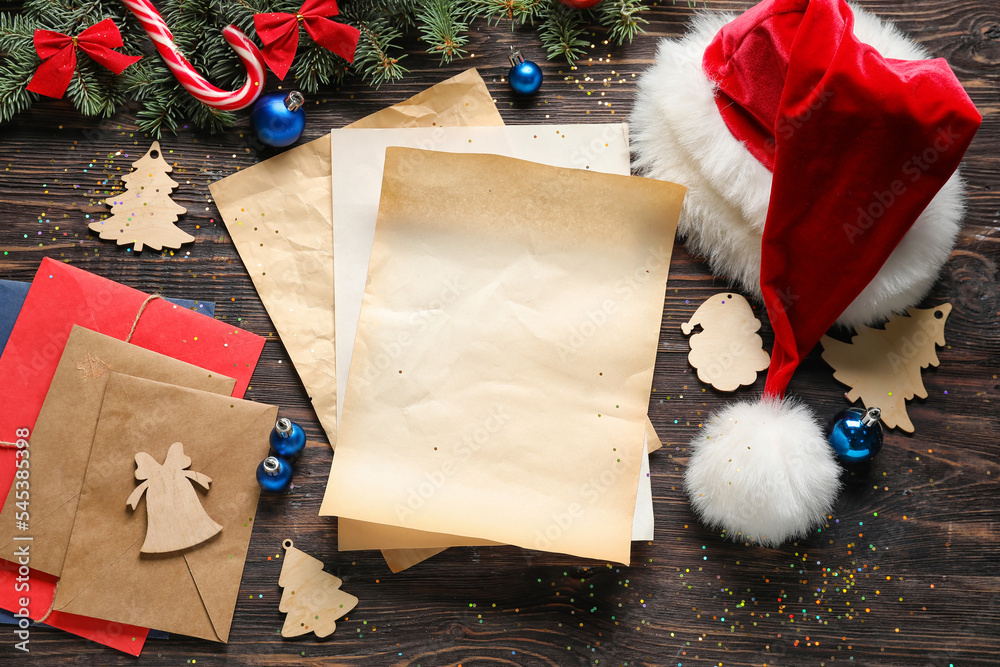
727,353
175,519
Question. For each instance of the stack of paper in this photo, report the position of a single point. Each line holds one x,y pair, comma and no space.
504,354
496,289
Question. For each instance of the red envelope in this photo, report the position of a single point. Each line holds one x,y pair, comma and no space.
60,297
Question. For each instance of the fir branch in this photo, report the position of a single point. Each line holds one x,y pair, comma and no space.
443,26
15,35
91,93
14,95
562,33
17,65
314,66
208,118
375,58
142,79
622,18
513,11
158,115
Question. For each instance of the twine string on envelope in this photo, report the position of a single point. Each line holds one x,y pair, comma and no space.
142,309
51,606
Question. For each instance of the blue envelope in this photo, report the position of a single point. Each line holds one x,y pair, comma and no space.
7,618
13,294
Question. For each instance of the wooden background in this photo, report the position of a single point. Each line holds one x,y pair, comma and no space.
918,584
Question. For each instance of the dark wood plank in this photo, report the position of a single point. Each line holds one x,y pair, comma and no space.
918,584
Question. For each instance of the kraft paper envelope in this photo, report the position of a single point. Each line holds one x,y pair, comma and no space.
191,592
278,216
60,444
356,188
517,412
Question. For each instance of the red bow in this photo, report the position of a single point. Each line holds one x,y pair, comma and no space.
280,33
58,54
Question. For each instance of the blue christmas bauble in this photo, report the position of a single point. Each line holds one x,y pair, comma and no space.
287,439
278,118
525,77
855,435
274,474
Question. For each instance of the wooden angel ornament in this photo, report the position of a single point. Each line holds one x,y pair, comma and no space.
144,214
882,367
175,519
728,353
312,598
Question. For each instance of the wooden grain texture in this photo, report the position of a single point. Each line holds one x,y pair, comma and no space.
907,572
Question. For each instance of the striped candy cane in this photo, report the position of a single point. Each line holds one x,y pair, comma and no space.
202,90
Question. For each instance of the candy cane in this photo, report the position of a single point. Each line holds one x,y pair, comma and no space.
202,90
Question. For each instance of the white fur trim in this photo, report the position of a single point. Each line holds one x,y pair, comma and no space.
678,135
762,471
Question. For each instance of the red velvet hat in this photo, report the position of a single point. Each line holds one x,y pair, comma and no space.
857,145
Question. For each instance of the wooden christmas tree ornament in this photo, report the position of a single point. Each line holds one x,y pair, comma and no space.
311,598
882,367
175,518
144,214
728,353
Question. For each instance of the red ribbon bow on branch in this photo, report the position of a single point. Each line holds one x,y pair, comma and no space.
279,33
58,54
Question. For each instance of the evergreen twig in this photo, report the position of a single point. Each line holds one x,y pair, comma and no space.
443,25
562,33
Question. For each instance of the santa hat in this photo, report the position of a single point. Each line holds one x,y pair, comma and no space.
820,150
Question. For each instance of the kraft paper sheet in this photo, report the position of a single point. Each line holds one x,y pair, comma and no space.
544,289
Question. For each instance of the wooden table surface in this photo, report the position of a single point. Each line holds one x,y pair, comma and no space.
907,572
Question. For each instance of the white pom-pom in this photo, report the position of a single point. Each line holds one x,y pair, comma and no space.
763,471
